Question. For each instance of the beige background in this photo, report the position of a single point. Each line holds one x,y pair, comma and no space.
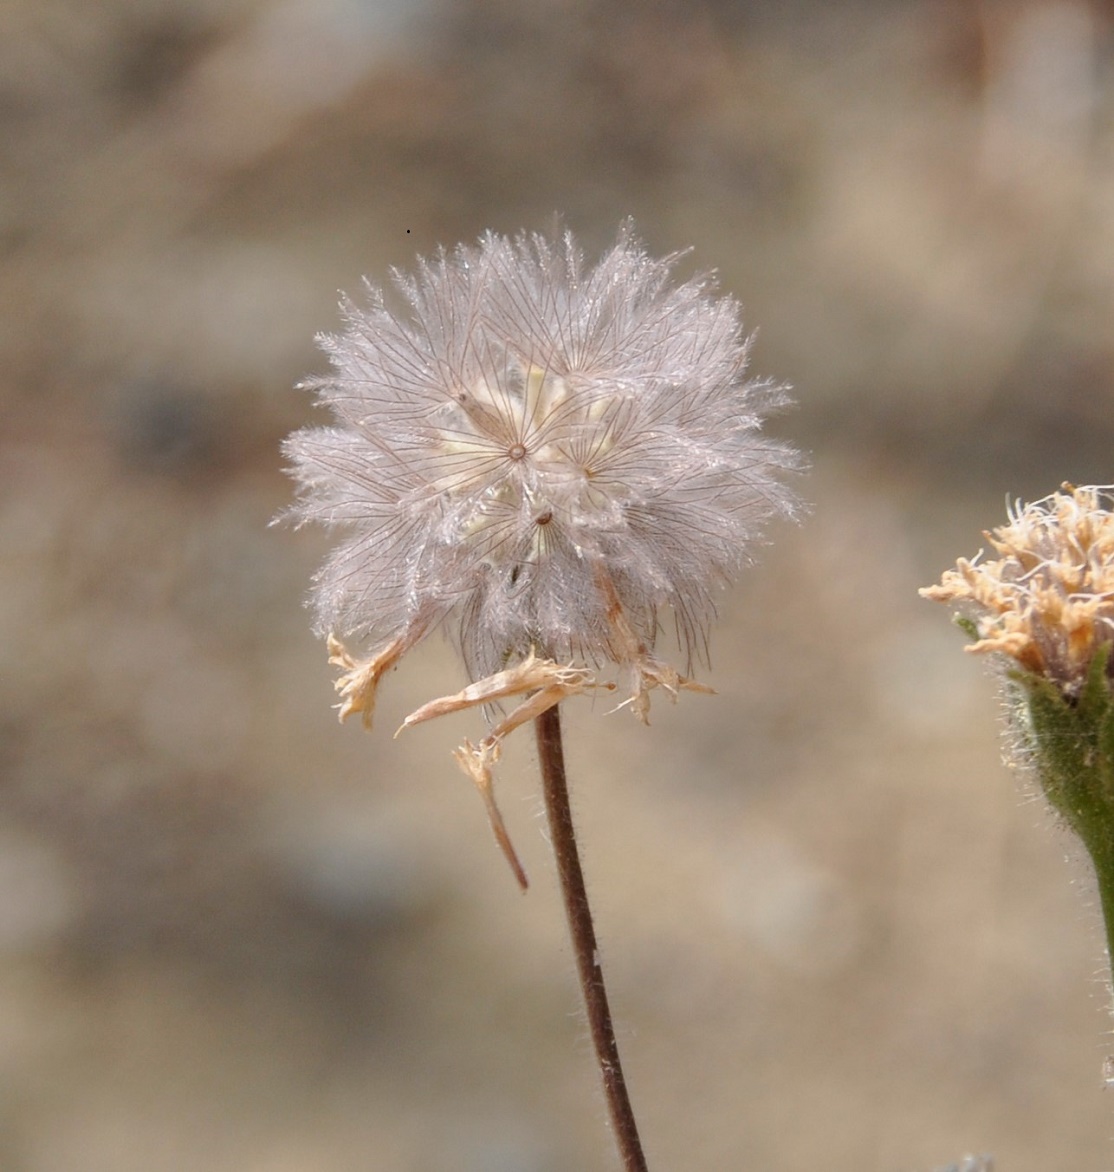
235,937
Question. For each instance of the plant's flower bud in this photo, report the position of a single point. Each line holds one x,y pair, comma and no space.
540,457
1047,606
1048,600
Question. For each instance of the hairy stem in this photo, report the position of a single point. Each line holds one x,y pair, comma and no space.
1104,872
563,834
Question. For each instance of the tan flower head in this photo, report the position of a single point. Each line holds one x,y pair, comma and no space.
1048,600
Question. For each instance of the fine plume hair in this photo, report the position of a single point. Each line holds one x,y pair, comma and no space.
539,454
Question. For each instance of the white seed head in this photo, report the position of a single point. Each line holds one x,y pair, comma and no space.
538,454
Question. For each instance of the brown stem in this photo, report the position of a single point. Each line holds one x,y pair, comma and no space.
552,757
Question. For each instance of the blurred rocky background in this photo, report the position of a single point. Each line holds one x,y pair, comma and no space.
235,937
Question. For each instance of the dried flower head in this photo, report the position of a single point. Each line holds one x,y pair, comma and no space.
538,456
1046,605
1048,601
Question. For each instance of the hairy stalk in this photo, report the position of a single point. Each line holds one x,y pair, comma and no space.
579,912
1070,739
1104,873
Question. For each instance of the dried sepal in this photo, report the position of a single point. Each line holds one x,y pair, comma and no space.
643,671
360,681
648,673
532,674
476,761
547,684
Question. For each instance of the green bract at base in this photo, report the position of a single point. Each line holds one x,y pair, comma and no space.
1070,743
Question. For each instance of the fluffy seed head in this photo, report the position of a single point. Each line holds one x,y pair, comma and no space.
1047,601
538,453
